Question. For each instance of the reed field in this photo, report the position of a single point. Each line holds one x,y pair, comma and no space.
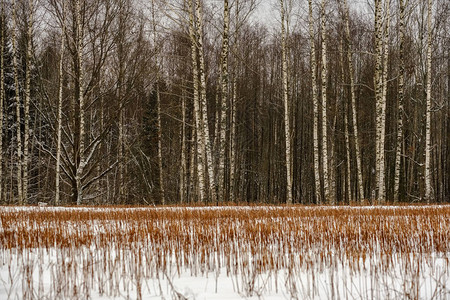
230,252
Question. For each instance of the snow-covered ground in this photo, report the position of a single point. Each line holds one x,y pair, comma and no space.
225,253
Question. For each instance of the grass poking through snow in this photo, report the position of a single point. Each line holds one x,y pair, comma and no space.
298,252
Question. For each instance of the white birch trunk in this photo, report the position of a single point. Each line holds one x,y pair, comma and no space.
287,126
120,140
378,92
224,100
353,104
17,99
193,180
233,139
80,95
233,111
201,187
324,83
348,157
204,110
27,102
2,93
428,187
401,83
59,114
183,148
315,106
382,166
347,185
216,139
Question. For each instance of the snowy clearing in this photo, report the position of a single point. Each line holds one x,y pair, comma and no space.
225,252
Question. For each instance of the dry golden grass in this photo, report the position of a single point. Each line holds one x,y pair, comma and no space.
146,242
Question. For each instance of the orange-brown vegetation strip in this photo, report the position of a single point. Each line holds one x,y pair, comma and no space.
207,238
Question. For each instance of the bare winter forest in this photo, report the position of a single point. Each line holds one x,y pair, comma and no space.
181,101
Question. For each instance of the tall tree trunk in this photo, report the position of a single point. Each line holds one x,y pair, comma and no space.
201,186
2,92
428,186
160,161
59,113
287,126
347,181
401,83
158,113
378,95
233,107
102,147
204,109
324,83
353,103
120,145
121,57
446,128
183,147
382,166
224,100
18,104
79,96
315,106
193,177
120,140
27,101
233,137
348,156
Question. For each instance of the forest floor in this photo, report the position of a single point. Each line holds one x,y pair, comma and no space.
229,252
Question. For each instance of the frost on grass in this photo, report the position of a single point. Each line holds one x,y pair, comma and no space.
225,253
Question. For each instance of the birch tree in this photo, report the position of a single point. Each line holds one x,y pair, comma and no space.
324,82
224,99
200,153
382,119
79,156
400,99
241,13
158,109
160,159
428,146
378,78
19,162
347,181
233,105
353,102
59,112
206,141
315,105
183,163
348,157
120,96
233,128
2,89
27,92
80,141
287,126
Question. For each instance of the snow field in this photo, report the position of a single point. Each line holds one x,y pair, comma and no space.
225,253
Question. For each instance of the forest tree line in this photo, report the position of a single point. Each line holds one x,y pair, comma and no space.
185,101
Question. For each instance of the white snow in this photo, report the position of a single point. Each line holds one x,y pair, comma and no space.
116,271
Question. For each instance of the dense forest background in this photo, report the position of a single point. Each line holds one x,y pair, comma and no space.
181,101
